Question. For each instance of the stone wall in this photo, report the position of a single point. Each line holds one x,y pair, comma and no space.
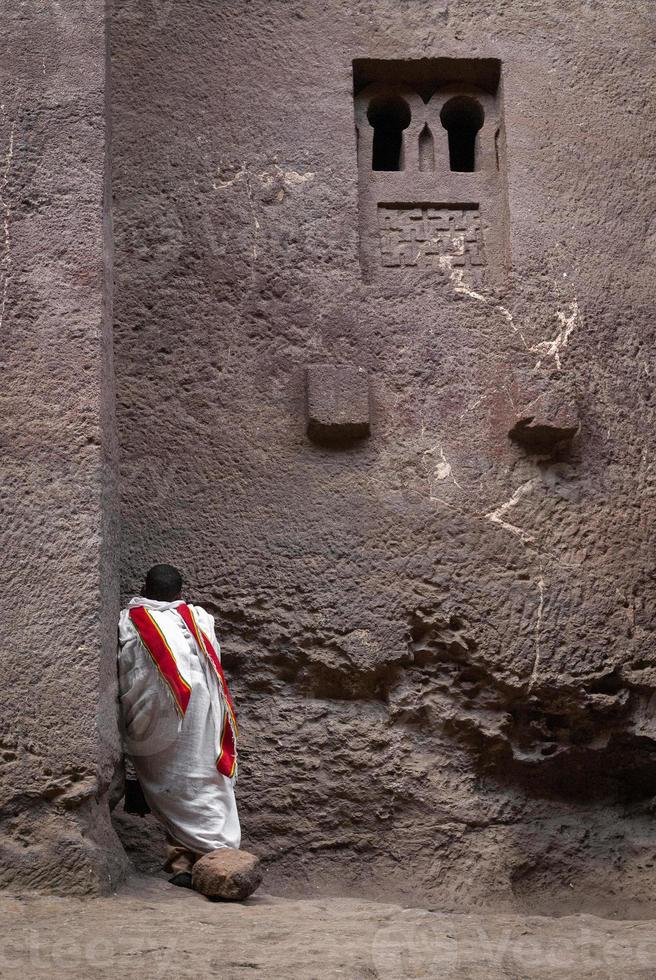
59,582
439,636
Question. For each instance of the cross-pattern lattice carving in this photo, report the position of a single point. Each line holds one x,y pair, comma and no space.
432,237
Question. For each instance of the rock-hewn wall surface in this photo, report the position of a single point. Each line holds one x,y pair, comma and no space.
58,575
439,636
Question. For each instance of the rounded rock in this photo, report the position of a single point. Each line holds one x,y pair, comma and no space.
227,873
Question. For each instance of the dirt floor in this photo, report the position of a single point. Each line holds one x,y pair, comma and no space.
151,929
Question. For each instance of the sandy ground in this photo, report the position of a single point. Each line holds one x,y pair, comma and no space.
152,929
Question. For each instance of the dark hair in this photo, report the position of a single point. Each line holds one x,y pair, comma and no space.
163,582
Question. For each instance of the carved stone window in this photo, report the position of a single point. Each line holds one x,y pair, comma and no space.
431,168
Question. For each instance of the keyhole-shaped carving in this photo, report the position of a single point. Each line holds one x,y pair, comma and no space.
462,117
389,117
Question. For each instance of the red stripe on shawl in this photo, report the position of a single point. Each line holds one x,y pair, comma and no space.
153,639
227,761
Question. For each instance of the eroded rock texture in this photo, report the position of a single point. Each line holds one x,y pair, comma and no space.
58,574
439,637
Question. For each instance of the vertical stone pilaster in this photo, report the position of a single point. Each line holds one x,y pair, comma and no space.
58,734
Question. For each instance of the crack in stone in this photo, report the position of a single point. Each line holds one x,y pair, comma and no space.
440,471
5,261
552,348
545,348
497,515
538,628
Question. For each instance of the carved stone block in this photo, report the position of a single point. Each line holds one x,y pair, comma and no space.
337,403
546,423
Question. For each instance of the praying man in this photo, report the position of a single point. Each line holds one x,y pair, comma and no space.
179,721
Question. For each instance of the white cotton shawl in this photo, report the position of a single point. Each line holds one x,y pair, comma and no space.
175,759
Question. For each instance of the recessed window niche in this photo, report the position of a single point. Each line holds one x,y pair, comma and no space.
462,117
431,167
388,117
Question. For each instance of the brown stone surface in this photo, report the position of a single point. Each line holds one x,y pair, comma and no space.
227,873
154,930
441,646
58,501
143,839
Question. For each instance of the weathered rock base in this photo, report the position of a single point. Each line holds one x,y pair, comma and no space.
152,930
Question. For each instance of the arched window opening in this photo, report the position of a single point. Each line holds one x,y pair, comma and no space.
426,150
389,117
462,118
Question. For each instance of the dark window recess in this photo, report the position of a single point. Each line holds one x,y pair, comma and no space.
426,150
389,117
462,117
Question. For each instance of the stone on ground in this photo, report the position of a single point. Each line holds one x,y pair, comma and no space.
227,873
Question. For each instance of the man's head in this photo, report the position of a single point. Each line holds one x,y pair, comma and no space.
164,583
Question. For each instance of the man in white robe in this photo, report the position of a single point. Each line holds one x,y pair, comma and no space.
178,719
